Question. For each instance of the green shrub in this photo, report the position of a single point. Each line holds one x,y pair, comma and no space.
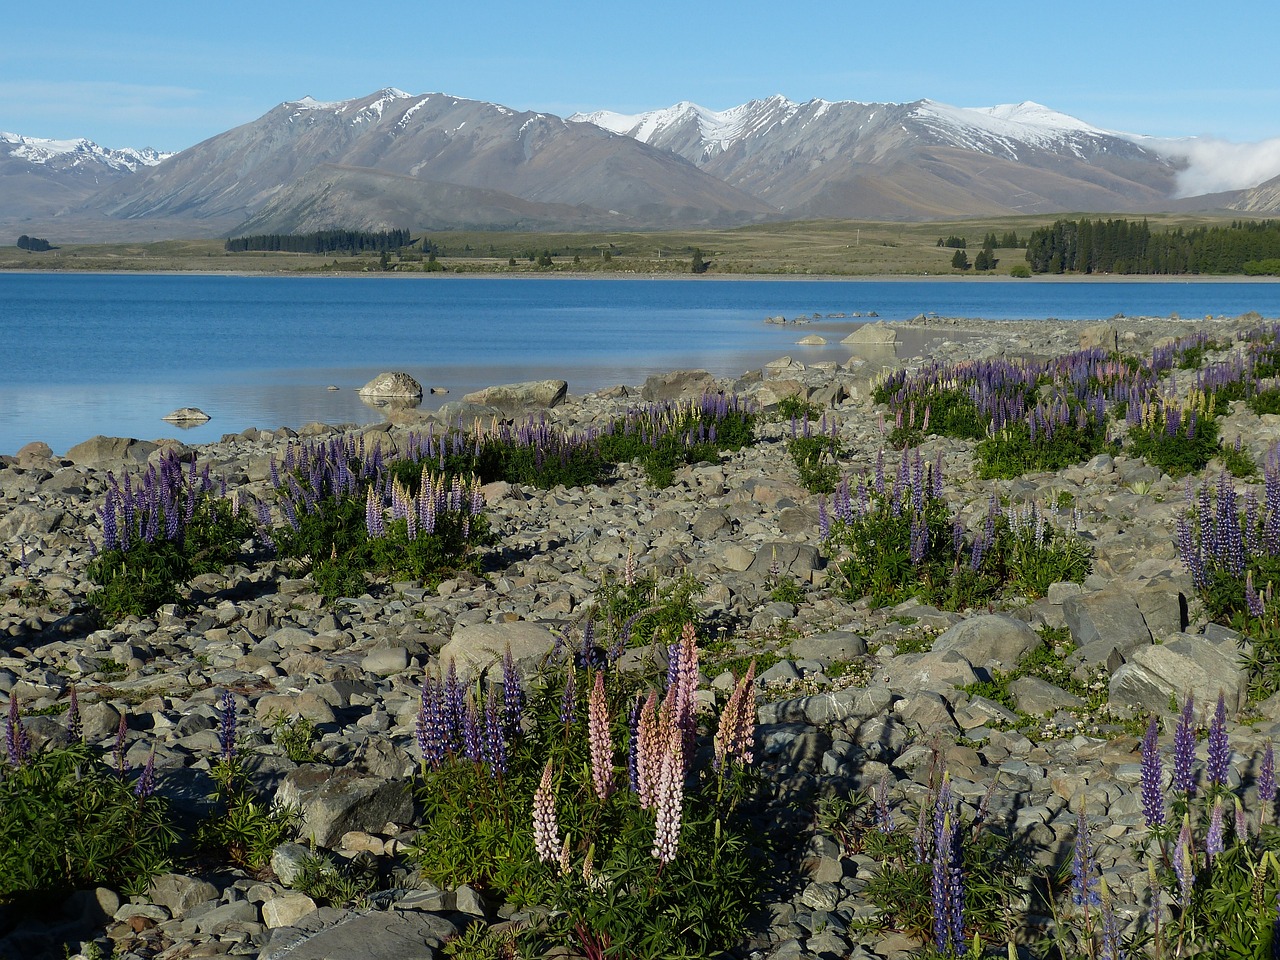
1174,444
67,822
1016,449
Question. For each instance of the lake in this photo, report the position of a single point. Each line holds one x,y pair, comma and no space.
112,354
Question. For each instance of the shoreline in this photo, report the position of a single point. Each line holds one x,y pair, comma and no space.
633,276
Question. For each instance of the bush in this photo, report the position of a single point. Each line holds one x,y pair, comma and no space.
536,803
68,822
1175,442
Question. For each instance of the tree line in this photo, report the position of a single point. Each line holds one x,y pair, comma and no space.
34,244
323,241
1125,247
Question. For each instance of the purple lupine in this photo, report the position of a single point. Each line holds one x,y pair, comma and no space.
1242,823
432,730
75,727
122,764
1182,865
146,784
494,747
633,747
15,738
569,699
946,885
1219,747
1152,772
1111,948
884,813
471,732
1184,749
455,708
512,695
1083,892
226,726
1267,783
1213,840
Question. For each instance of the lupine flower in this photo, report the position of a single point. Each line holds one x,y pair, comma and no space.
122,765
1182,866
600,742
471,734
226,726
1184,749
1267,783
736,732
512,695
75,728
1111,948
648,749
884,814
633,748
546,830
947,882
431,729
16,740
1213,842
1242,824
1152,789
1219,747
568,699
1082,885
494,747
669,795
146,784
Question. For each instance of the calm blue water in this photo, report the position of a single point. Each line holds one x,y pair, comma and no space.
89,354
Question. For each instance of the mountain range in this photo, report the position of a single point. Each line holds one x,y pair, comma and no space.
439,162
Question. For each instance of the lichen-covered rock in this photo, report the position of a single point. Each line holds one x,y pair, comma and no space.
392,385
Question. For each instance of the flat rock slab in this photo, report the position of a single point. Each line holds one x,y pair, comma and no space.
516,398
408,935
188,415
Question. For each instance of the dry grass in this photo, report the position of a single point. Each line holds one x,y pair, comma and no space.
834,248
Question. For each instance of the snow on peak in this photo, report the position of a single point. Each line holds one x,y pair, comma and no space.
78,152
1005,128
718,129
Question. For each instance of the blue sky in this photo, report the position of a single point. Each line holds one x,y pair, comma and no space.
171,74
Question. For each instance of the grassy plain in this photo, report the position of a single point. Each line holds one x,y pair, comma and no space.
816,248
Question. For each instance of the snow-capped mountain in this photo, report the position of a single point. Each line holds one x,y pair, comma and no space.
446,161
845,158
77,153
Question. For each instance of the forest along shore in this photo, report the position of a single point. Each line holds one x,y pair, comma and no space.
850,695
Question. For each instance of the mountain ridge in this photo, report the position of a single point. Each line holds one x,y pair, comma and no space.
439,161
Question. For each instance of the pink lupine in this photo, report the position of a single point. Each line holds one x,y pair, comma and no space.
669,796
599,740
648,751
546,829
736,733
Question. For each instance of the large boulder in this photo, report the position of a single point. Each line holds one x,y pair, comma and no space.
392,385
335,801
872,333
1157,675
514,399
101,450
990,638
678,385
481,646
1109,617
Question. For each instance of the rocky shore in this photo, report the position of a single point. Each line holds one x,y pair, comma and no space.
842,707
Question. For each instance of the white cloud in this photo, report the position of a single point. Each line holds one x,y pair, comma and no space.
1215,166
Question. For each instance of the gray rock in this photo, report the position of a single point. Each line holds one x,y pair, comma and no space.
830,646
1107,615
879,332
795,559
392,385
940,672
334,801
990,638
1157,673
481,646
106,450
517,398
1038,697
408,935
287,909
679,384
178,892
187,415
287,860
